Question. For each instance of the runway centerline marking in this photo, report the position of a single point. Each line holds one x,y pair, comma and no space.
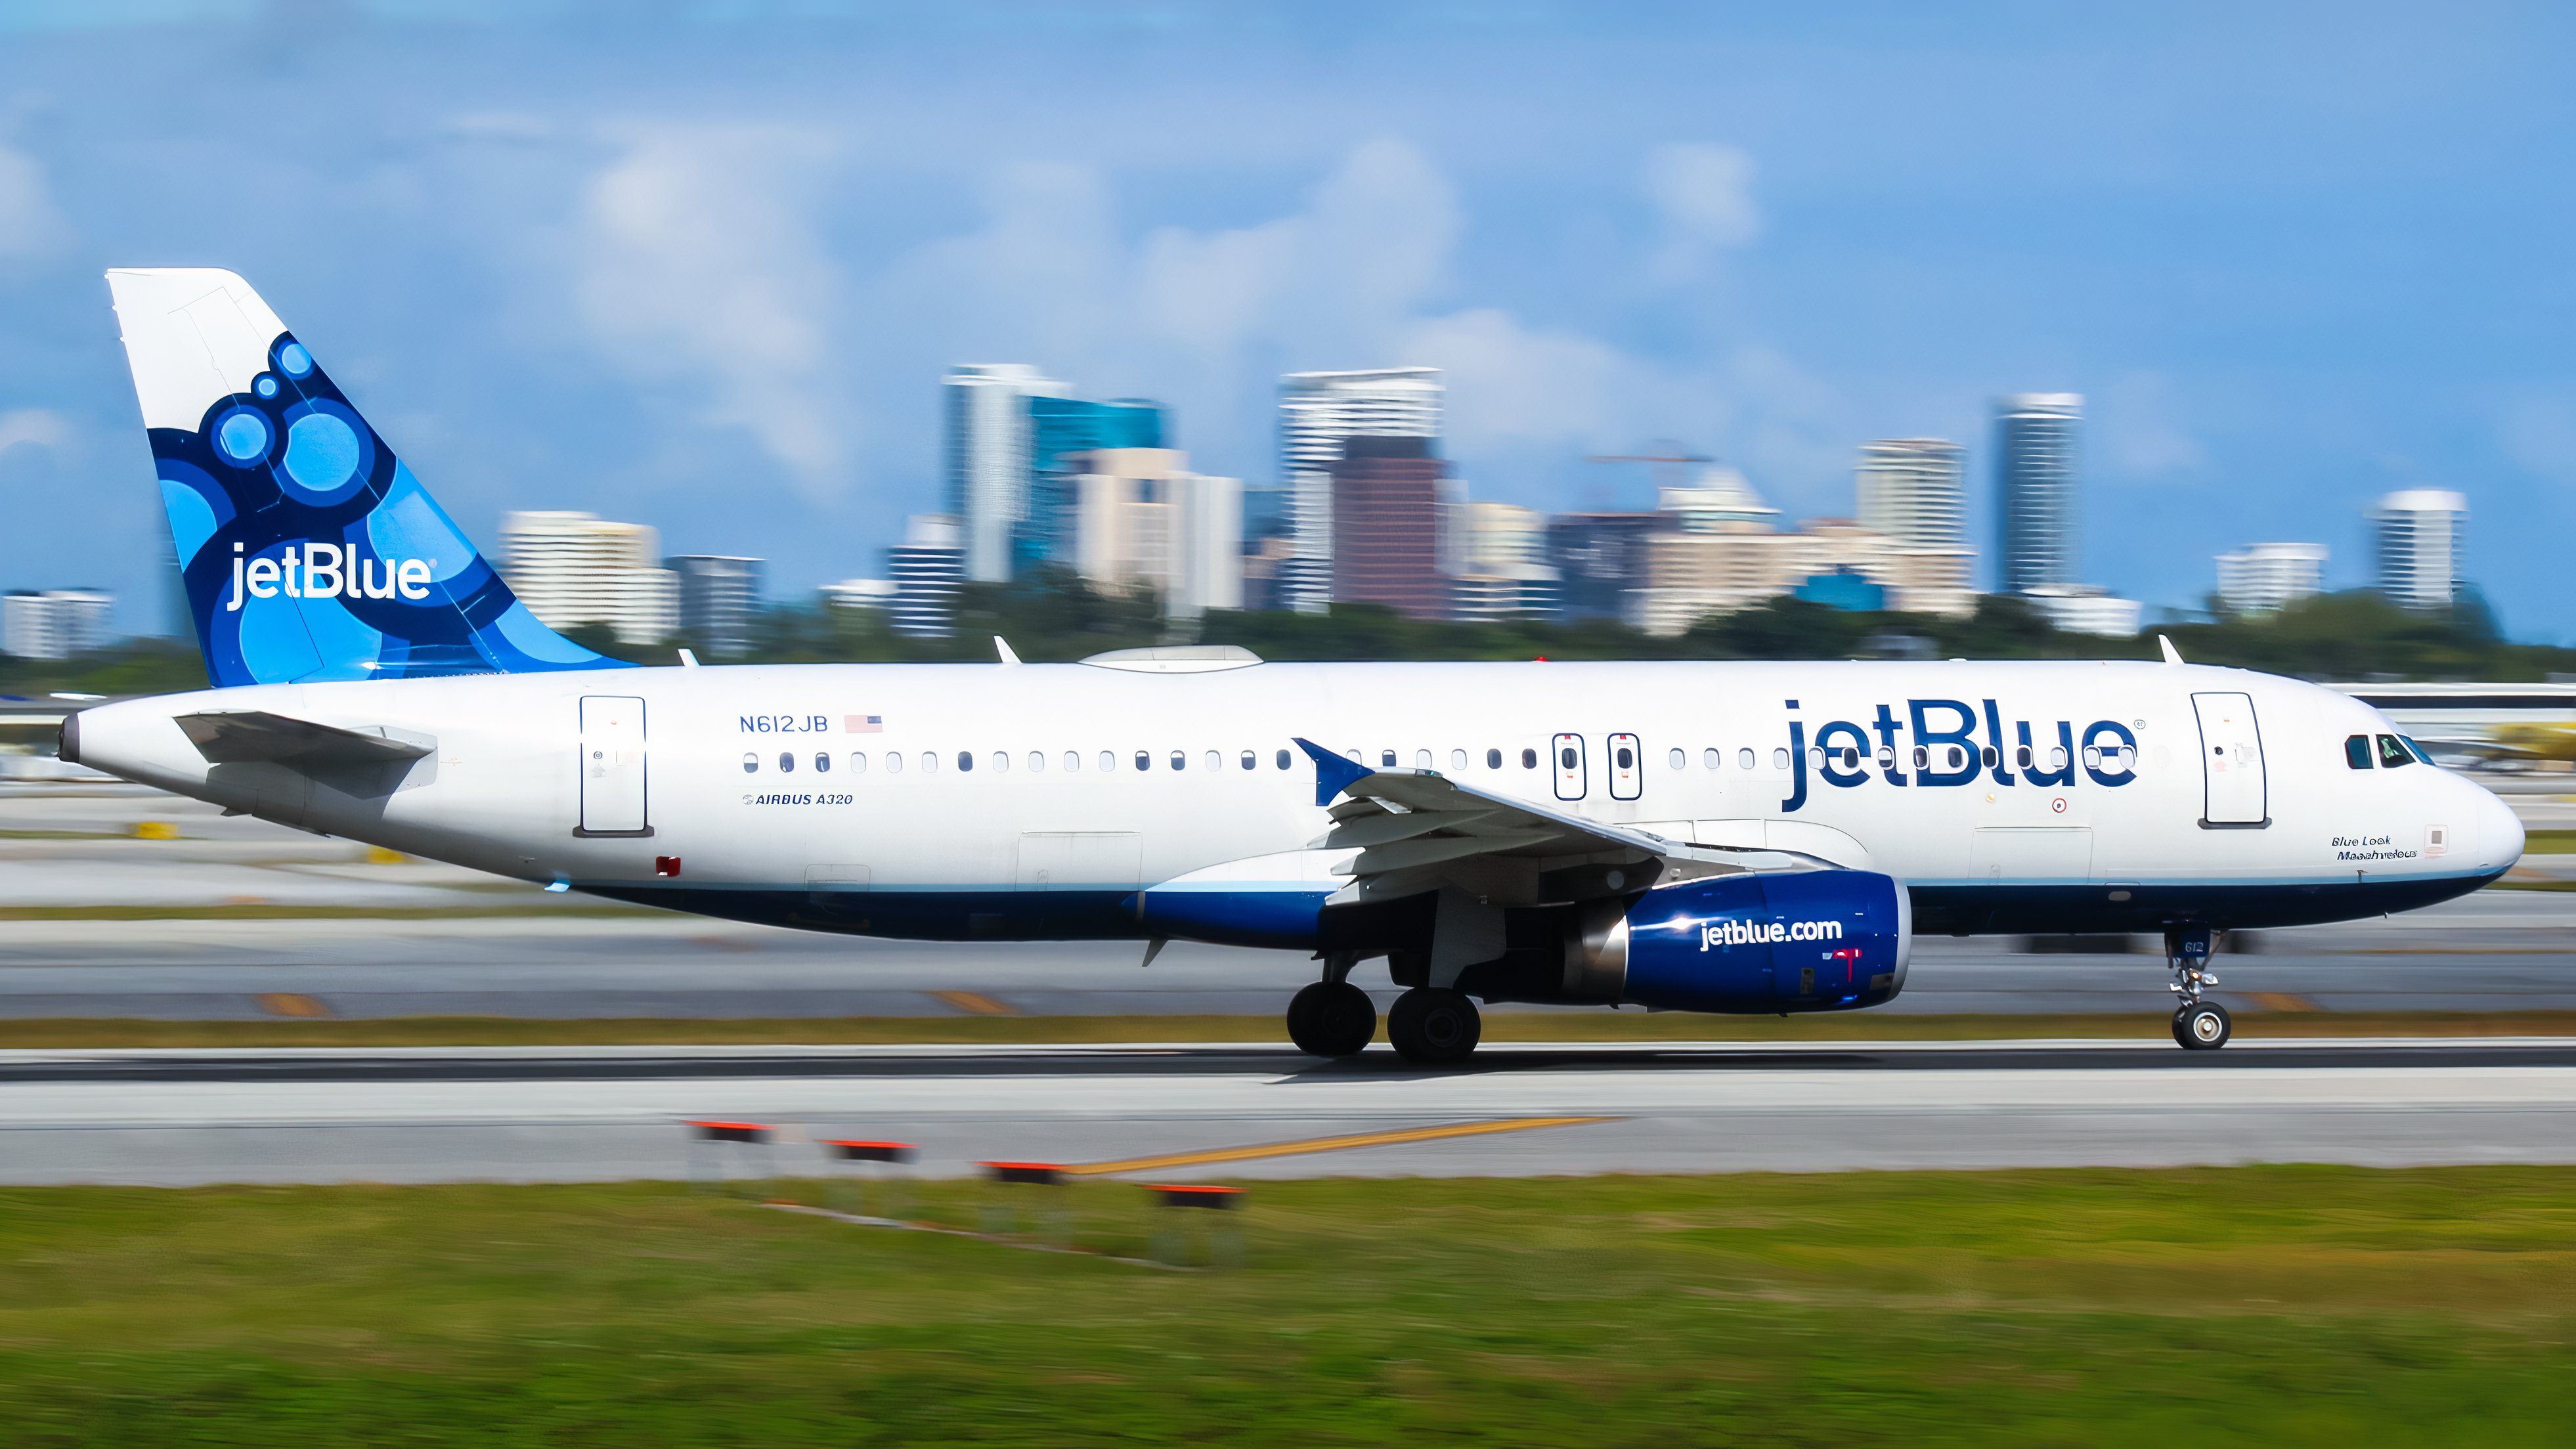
1391,1138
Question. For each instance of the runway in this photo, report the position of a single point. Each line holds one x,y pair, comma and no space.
607,1113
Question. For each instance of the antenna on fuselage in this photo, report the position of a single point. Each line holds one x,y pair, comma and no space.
2172,655
1002,647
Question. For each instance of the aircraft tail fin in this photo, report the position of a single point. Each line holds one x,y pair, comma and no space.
308,550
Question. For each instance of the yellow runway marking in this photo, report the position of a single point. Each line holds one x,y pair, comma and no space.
292,1003
975,1003
1329,1144
2280,1001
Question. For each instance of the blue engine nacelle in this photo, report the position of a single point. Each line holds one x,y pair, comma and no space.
1818,940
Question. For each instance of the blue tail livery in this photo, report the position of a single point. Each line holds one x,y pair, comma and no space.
309,551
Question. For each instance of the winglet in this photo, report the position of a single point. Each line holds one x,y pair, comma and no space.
1002,647
2172,655
1333,774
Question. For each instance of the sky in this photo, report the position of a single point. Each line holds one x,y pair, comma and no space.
701,265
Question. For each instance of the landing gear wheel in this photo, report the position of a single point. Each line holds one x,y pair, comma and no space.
1432,1026
1332,1019
2202,1026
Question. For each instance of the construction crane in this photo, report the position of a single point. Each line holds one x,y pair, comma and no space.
1668,459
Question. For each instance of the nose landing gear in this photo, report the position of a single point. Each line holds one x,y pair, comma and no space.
2198,1024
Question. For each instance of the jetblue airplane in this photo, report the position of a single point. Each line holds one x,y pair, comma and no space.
1717,837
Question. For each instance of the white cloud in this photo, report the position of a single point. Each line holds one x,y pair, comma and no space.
1704,195
34,427
700,264
30,226
2139,420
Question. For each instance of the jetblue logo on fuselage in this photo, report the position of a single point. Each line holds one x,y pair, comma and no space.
326,571
1948,742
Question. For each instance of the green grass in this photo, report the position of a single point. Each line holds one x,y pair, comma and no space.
2548,842
1500,1026
2258,1306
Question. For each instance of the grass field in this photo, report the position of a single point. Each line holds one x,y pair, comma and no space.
72,1032
2270,1306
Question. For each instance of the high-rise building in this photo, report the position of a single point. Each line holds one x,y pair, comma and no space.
719,598
1061,430
1600,557
2262,577
2420,533
1318,413
1501,569
859,594
2084,609
1719,497
1736,558
927,568
1909,491
2035,489
1143,517
54,623
576,569
988,446
1386,506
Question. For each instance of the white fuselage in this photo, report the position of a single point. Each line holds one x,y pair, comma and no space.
1038,800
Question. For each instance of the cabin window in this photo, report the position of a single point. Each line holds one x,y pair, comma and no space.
1493,759
1677,759
1988,755
786,763
822,763
1457,759
1744,758
1712,758
1283,759
1529,759
2021,757
930,762
1922,758
2056,757
894,763
1565,758
965,761
1180,761
1216,760
858,762
1001,762
1422,759
1626,757
2418,747
1958,757
2093,757
2392,753
1250,761
751,764
1037,762
1073,761
1780,758
1815,757
1851,757
1386,759
1144,759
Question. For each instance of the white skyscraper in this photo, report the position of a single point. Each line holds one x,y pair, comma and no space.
1142,517
1318,411
2420,534
54,623
576,569
1910,491
2035,483
987,440
2262,577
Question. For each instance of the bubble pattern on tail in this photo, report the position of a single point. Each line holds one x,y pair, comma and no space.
311,553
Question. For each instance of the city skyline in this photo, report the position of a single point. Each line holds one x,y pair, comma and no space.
1600,228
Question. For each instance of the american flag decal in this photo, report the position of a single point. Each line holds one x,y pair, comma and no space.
863,724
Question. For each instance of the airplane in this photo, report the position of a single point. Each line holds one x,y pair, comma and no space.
1696,836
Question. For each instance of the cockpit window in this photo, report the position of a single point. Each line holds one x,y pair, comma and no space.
2417,746
2356,752
2393,753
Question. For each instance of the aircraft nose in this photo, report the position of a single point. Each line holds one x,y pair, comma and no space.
2499,830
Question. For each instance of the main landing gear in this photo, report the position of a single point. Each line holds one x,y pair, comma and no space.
1429,1025
1332,1018
2198,1025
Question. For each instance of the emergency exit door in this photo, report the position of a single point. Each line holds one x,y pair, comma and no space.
2231,763
612,766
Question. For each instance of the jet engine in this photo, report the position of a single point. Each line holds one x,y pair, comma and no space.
1819,940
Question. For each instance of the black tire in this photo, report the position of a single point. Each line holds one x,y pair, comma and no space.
1434,1027
1332,1019
2203,1028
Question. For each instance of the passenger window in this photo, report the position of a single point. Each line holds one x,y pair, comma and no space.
1422,759
1144,760
1678,759
1216,759
1457,759
1958,757
966,761
1922,758
1988,755
2021,757
894,763
1180,761
858,762
1283,759
930,762
1037,762
1001,762
1109,762
2392,753
751,764
1565,758
1711,758
1073,761
822,763
786,763
2056,757
1780,758
1851,758
1627,758
1744,758
1386,759
1248,761
1493,759
1529,759
2092,757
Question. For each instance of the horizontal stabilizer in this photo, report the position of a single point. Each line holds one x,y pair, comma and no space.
241,736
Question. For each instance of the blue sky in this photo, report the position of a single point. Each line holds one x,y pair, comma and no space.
701,265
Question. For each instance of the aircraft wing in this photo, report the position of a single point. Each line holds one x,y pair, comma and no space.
1418,830
230,736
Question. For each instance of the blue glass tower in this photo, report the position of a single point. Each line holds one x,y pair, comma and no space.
1060,430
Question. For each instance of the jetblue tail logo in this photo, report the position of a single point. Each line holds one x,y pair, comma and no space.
308,550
